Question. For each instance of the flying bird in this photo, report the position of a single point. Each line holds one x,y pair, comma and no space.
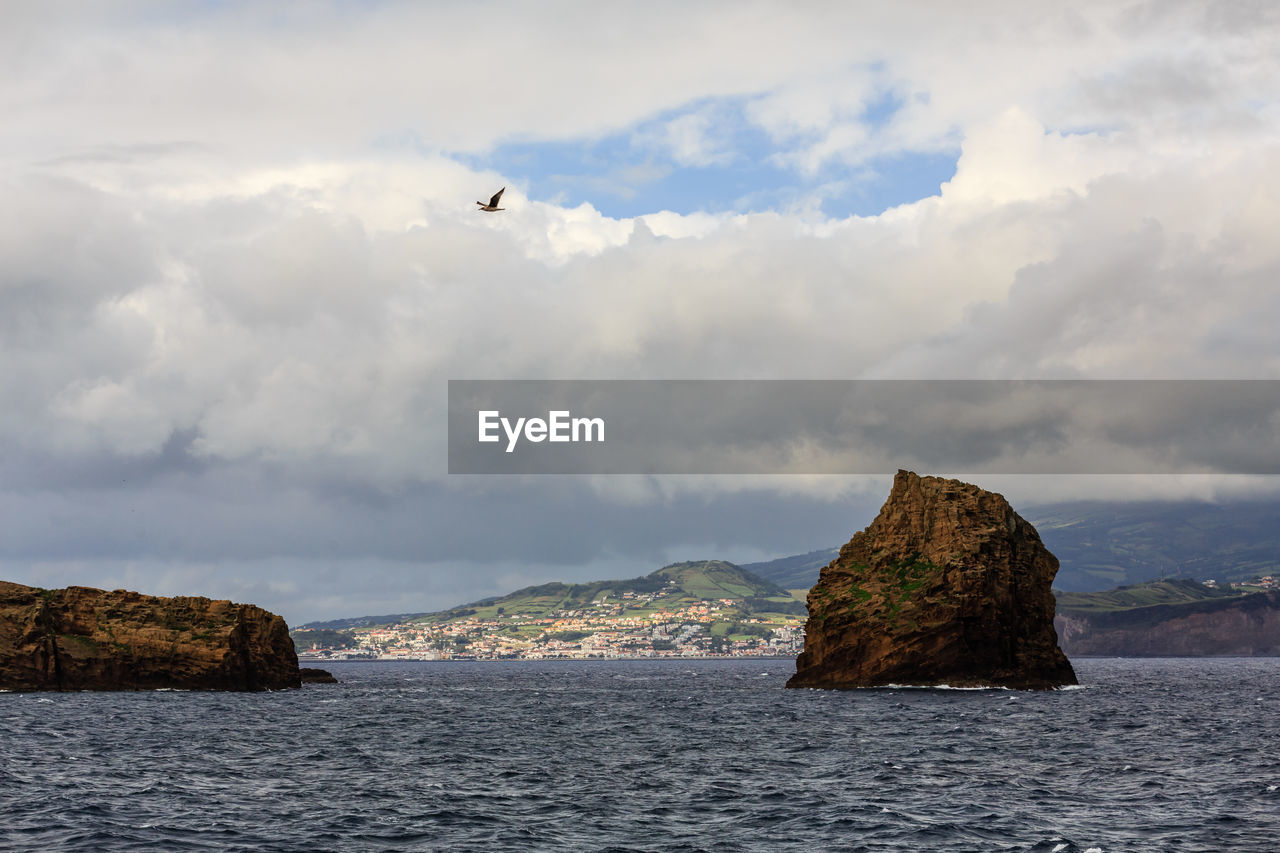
493,202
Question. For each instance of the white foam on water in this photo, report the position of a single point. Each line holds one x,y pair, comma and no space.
1094,850
1271,788
1059,848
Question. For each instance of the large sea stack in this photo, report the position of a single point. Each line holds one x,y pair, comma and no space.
948,586
87,639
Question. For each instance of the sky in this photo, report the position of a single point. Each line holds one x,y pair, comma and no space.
240,258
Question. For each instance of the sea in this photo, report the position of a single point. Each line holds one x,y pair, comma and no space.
697,755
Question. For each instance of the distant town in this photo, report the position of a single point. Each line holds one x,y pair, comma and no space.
663,623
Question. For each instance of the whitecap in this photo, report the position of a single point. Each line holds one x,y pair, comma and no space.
1059,848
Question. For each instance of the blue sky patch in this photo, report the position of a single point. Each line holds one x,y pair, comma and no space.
735,169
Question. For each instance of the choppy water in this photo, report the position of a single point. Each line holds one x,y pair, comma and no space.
1163,755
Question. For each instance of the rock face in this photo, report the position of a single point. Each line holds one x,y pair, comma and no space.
317,676
947,586
87,639
1249,625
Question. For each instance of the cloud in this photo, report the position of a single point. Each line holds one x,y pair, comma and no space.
696,138
231,293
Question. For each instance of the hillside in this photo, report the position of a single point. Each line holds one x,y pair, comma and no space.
736,603
1103,544
1170,618
798,572
675,585
1171,592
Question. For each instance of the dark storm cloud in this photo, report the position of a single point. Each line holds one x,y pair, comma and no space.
239,512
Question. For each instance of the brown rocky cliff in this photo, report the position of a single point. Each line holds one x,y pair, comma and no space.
88,639
1249,625
948,585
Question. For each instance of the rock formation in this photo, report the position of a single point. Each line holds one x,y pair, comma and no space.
1243,626
317,676
948,585
87,639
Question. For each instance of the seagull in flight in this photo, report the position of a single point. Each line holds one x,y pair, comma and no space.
493,202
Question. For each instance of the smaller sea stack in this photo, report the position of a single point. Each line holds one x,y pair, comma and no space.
947,586
88,639
317,676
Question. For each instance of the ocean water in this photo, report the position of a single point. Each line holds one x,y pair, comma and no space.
1149,755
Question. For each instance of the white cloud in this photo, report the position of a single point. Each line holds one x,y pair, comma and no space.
317,315
696,138
211,266
332,79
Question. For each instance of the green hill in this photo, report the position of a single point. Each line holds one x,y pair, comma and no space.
671,587
679,584
1156,593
